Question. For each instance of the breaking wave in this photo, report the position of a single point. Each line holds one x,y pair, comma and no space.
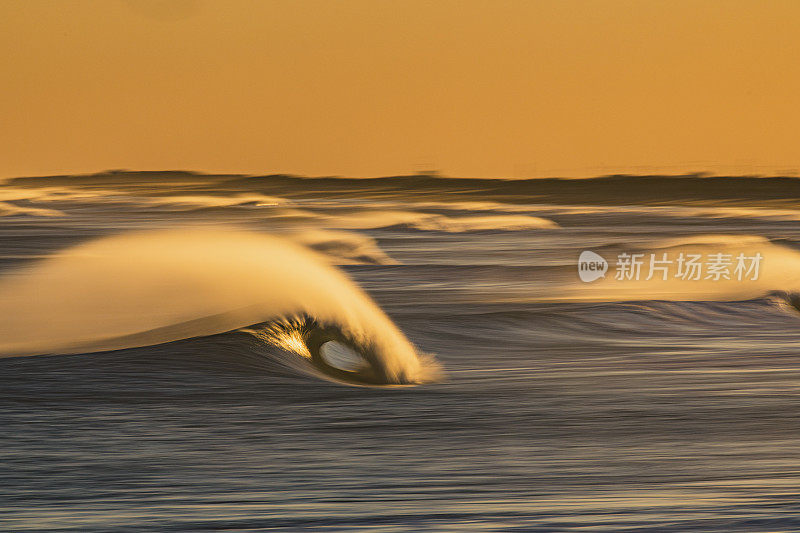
343,247
154,287
779,270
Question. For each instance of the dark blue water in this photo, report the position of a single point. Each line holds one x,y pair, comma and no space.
558,412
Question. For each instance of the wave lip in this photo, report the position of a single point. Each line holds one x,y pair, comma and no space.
330,352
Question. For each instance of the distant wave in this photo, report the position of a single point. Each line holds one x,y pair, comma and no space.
384,202
603,190
675,211
153,287
370,219
209,200
486,223
712,239
779,270
9,209
343,247
53,194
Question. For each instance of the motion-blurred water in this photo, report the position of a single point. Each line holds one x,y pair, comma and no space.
602,406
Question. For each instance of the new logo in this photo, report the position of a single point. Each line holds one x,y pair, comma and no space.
591,266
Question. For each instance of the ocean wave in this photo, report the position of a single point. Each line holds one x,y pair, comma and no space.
665,211
475,205
137,196
485,223
779,270
153,287
711,240
343,247
373,219
603,190
198,200
9,209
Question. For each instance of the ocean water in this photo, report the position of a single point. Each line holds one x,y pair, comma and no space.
188,352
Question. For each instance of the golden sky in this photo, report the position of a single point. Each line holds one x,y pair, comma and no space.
375,87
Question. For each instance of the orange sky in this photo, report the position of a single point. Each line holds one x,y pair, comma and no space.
373,87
